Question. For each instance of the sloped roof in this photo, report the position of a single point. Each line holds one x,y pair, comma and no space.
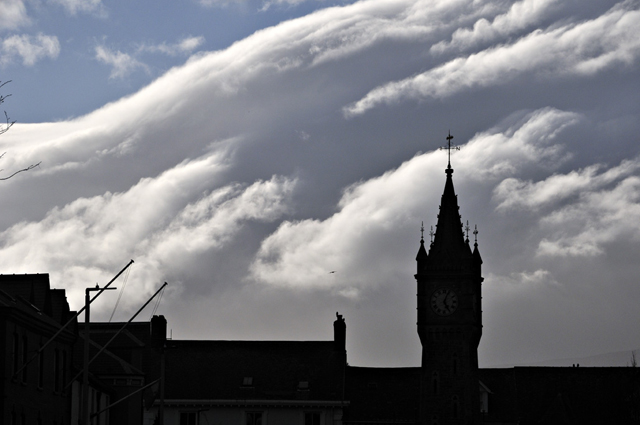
449,241
253,370
30,297
35,289
32,287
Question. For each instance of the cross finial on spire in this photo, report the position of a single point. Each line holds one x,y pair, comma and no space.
466,228
449,148
431,233
422,232
475,233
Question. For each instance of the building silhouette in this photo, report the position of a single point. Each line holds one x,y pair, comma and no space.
30,314
449,318
143,378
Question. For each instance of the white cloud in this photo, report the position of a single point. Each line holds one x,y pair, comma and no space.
514,193
121,64
84,6
300,254
576,50
579,212
155,222
520,15
531,139
185,46
29,48
595,219
268,3
273,100
520,283
211,3
13,14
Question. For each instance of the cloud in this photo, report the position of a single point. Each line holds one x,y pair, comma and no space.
579,212
570,50
511,146
29,48
268,3
515,193
84,6
121,64
180,176
157,222
300,254
521,14
519,284
597,218
211,3
13,14
184,46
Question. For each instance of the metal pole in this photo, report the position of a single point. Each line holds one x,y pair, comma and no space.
161,407
120,330
85,369
93,415
130,320
70,321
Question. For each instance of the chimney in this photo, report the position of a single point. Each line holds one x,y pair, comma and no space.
158,331
339,334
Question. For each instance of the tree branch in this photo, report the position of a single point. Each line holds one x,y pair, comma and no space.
7,126
30,167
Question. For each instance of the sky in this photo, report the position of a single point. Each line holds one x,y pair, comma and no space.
274,160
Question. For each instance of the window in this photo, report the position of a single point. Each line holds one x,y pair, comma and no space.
41,368
188,418
435,382
455,407
63,367
254,418
311,418
56,371
303,390
247,381
25,353
15,354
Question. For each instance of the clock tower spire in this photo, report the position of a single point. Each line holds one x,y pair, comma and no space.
449,317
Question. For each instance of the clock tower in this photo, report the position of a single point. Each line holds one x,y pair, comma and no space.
449,317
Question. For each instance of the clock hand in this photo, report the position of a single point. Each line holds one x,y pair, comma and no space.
444,299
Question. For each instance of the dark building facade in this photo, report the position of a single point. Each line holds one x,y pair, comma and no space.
32,389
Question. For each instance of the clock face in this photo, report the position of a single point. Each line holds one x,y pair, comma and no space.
444,301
